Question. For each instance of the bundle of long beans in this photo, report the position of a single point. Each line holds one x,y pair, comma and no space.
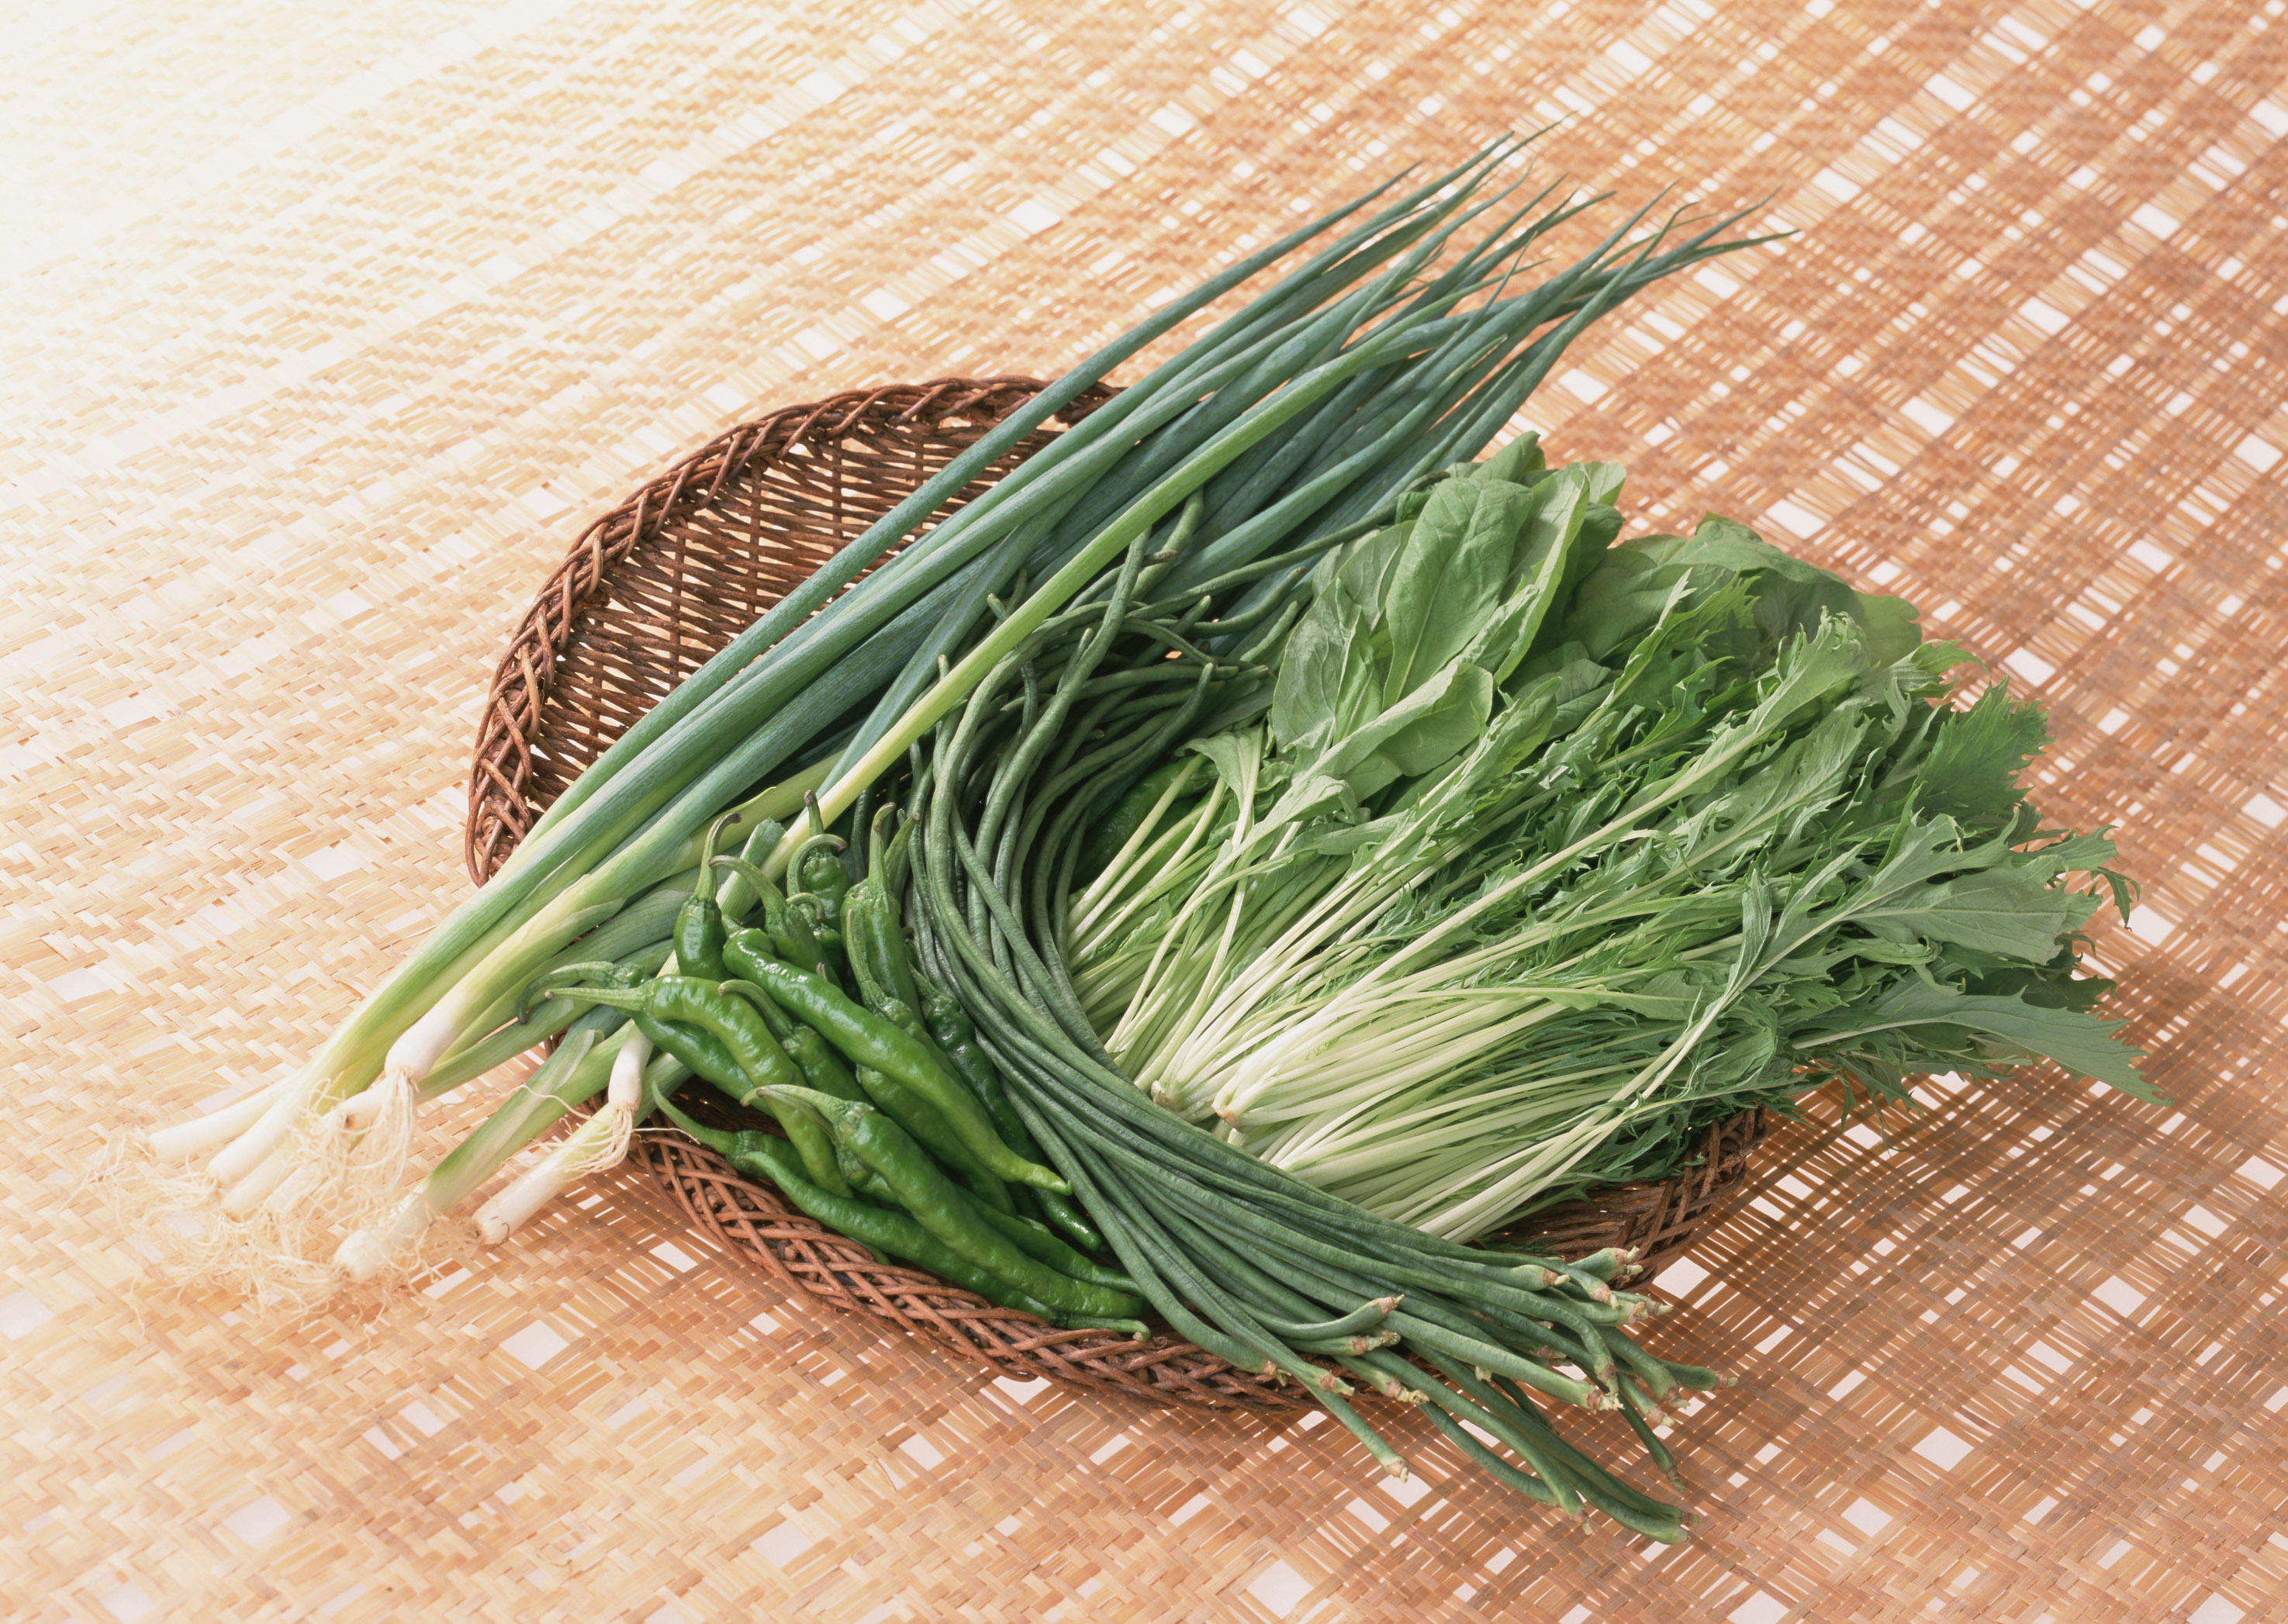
1246,1260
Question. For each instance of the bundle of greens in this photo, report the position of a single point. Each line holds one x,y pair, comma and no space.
1243,1260
1546,853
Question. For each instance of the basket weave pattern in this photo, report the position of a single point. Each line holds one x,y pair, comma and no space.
650,591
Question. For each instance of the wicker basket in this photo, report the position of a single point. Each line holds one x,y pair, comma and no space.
646,596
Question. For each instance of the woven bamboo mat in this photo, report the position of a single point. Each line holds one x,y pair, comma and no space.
328,324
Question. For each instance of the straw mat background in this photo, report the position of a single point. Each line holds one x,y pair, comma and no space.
329,324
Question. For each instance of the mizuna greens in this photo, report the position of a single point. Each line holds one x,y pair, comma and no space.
1544,853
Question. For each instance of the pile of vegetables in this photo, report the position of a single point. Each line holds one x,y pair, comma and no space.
1247,757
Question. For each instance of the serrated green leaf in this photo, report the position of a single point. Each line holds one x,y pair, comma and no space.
2080,1042
2002,910
1977,754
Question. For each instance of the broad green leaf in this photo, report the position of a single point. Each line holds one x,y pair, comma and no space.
1366,572
1603,481
1548,524
1326,644
1519,463
1620,601
1447,579
1234,755
1429,726
1894,628
1311,795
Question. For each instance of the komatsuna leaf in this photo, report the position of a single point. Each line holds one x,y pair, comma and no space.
1235,757
1894,628
1549,523
1521,461
1603,481
1448,578
1552,534
1621,600
1327,644
1429,726
1365,570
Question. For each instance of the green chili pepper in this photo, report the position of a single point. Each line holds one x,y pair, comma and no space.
1035,1242
737,897
957,1040
701,1051
824,1070
813,1056
922,1120
787,928
699,930
819,872
870,1040
948,1212
833,955
876,946
883,1229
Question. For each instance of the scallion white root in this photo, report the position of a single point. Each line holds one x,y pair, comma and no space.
215,1129
600,1143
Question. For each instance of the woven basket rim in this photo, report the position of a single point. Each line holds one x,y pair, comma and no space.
749,1218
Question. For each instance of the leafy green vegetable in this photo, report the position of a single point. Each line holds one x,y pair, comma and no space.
1542,852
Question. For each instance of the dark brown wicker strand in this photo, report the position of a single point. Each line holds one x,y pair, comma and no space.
653,589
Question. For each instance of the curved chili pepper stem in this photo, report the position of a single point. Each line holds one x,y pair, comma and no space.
877,844
825,838
713,1138
535,994
737,897
771,1013
702,886
765,892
